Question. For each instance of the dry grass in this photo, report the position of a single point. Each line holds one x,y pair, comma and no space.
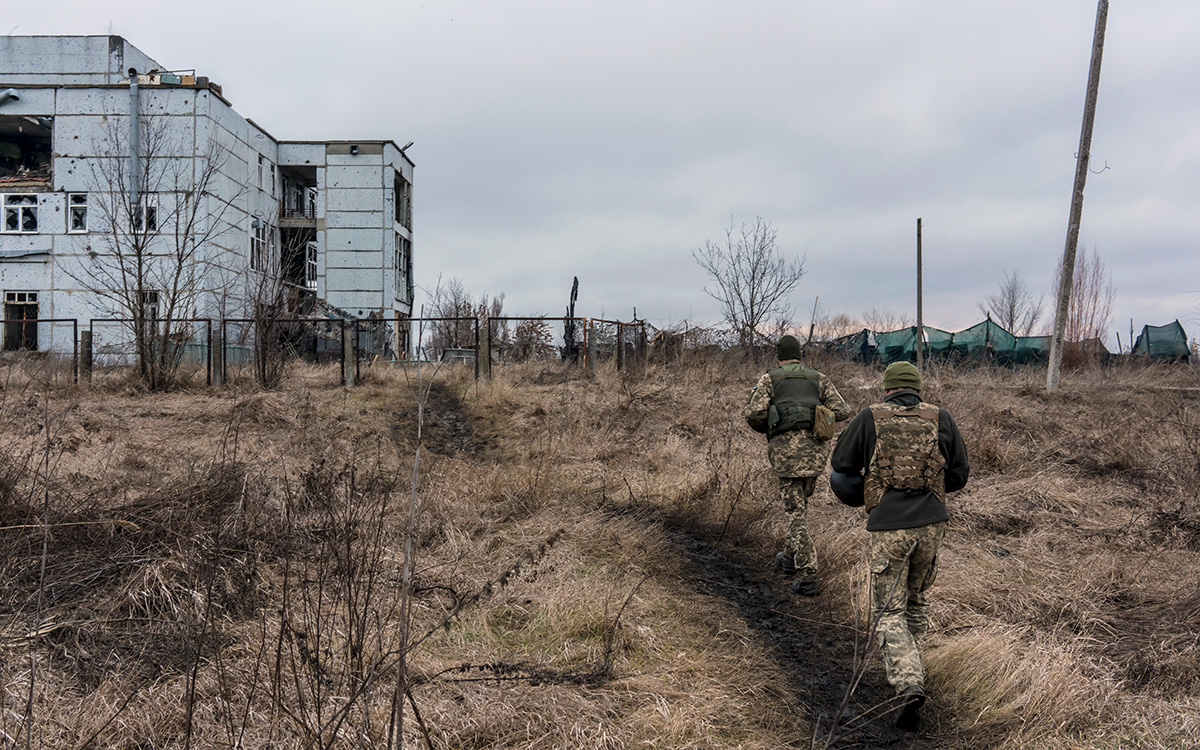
225,567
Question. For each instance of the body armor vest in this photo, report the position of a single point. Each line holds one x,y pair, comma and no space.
906,452
795,393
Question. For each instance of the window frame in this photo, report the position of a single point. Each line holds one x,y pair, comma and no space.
22,209
258,244
72,207
145,216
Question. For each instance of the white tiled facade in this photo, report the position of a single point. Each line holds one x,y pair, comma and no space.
342,209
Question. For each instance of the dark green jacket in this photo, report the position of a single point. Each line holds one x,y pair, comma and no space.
902,509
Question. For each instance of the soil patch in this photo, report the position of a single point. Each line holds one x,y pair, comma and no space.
810,646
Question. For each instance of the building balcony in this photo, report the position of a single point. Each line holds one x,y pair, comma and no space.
298,216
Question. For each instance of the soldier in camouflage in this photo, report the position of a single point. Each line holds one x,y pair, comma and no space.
783,406
913,454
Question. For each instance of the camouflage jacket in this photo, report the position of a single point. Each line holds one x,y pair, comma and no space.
798,453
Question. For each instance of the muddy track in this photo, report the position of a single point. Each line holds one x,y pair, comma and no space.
447,427
807,641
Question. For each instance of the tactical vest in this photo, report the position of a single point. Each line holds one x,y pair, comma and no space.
906,452
795,393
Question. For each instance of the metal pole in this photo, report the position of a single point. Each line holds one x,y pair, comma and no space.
208,346
135,118
75,354
920,299
1081,170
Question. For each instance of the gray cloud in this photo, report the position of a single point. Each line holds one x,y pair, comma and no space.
609,139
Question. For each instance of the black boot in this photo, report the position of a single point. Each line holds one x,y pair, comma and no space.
806,588
784,562
911,701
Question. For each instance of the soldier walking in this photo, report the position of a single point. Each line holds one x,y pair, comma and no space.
784,405
913,454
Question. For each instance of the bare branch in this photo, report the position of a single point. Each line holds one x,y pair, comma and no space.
752,278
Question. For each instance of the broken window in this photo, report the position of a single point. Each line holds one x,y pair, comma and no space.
262,172
25,151
149,303
272,180
145,214
403,190
310,265
20,321
20,213
77,212
258,244
403,265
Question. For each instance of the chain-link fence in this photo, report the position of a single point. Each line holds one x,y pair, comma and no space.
624,344
244,350
182,355
39,351
270,350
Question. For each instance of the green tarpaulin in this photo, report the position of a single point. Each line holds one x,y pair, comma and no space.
1162,342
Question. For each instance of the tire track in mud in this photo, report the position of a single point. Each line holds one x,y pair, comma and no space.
816,653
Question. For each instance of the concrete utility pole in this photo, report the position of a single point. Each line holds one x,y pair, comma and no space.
920,316
1081,170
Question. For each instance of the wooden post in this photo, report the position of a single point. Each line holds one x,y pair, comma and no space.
920,316
485,350
589,347
85,356
1081,170
348,359
620,347
812,325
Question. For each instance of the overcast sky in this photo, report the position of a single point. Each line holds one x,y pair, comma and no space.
608,140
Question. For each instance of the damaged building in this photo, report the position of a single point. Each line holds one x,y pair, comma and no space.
329,222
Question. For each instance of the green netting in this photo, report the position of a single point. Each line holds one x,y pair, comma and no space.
938,342
1162,342
983,340
1031,349
989,341
856,346
896,346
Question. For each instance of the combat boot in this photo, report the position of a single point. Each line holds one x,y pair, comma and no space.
806,588
911,701
784,562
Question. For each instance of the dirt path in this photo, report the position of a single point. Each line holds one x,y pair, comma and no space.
811,647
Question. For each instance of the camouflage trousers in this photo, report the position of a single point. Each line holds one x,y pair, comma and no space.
904,615
797,542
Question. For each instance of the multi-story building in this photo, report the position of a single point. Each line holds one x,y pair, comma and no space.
214,209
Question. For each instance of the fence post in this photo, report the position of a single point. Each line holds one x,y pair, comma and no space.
85,356
485,351
641,344
589,347
348,358
620,346
216,353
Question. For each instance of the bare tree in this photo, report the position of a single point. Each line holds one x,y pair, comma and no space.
452,302
1014,306
1090,307
752,278
154,214
886,320
265,297
830,327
